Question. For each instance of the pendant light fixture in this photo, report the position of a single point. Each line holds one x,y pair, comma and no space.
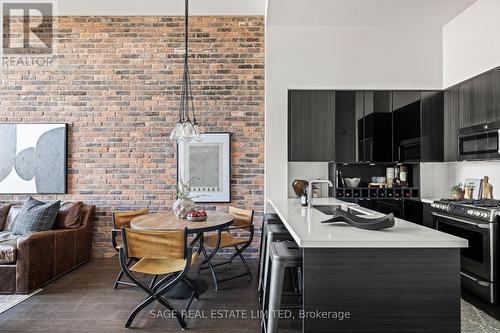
186,129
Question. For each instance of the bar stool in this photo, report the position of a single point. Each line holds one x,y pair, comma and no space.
269,218
273,232
282,255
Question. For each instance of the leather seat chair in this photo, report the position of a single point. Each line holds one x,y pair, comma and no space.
164,253
243,221
120,220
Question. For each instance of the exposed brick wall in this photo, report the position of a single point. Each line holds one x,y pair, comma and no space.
116,81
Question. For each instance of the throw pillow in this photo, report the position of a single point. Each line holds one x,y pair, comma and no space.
35,216
69,216
4,212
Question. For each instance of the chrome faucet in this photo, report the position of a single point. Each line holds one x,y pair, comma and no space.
309,188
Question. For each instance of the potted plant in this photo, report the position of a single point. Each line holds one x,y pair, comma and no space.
184,203
457,192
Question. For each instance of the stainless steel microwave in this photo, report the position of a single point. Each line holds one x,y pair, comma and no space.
479,142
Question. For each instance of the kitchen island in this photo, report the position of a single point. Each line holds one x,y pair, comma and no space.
402,279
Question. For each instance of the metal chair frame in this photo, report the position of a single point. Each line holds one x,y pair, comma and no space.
115,232
155,290
207,263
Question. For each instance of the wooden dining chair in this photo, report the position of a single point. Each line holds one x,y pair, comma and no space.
164,253
123,219
243,220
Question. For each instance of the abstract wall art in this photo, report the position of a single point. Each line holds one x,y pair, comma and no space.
32,158
207,163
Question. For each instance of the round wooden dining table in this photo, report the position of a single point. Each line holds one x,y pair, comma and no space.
168,221
216,221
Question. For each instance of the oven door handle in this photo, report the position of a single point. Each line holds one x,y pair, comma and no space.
479,225
479,282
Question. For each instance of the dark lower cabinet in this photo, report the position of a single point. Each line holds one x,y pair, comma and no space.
427,216
413,211
311,125
388,206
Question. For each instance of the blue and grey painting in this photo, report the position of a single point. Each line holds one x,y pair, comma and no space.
37,169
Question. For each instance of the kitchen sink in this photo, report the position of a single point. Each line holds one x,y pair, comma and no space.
326,209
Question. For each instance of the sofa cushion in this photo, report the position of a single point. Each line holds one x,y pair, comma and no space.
4,212
7,236
8,252
69,216
35,216
9,223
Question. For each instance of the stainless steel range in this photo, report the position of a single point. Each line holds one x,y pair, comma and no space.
476,221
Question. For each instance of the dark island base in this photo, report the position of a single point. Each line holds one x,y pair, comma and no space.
383,290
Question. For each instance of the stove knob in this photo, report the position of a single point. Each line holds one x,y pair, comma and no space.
470,212
476,213
485,215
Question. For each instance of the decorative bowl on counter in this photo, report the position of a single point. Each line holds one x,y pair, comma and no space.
299,186
352,182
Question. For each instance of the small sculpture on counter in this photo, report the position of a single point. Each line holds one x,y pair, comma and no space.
384,222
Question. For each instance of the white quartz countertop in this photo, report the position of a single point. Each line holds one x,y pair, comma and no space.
307,230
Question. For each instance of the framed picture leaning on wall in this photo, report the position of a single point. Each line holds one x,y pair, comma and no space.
207,163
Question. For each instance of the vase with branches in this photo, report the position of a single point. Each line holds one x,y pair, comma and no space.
184,203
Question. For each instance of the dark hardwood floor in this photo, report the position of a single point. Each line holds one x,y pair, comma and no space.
84,301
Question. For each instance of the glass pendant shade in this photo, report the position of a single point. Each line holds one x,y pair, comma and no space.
185,129
197,132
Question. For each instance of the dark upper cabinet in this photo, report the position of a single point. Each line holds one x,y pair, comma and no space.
480,99
406,118
495,100
451,123
376,145
311,125
470,103
432,124
476,100
349,126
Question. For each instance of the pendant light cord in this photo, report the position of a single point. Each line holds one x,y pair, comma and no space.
187,92
188,81
186,39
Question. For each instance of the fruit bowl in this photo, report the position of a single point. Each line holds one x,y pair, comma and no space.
196,219
196,215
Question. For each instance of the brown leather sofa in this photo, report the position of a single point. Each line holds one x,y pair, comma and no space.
38,258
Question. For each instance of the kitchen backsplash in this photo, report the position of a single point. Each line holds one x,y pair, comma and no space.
438,178
307,171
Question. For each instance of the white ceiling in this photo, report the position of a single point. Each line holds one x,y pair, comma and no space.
364,12
158,7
